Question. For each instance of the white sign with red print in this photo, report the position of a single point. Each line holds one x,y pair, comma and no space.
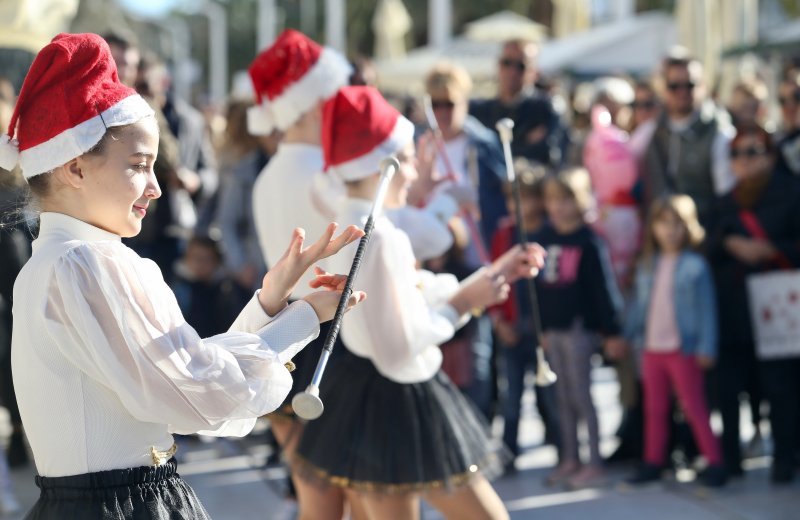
775,311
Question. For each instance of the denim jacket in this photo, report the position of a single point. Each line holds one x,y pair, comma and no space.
491,175
695,305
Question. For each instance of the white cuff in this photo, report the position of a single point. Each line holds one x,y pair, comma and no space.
290,330
449,313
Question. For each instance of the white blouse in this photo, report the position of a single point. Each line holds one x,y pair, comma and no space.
282,201
406,315
105,366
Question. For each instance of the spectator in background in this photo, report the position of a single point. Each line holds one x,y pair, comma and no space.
757,231
689,149
674,320
645,109
788,137
197,174
364,72
612,168
513,319
15,249
247,156
473,162
747,104
576,296
538,135
126,55
208,298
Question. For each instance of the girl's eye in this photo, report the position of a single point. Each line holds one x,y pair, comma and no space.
141,167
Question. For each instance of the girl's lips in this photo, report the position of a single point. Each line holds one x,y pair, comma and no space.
140,210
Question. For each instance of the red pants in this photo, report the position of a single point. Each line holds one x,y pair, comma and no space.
661,373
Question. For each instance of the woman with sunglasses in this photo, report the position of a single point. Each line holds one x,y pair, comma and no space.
757,230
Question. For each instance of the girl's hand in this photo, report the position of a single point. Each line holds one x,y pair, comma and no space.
517,263
484,288
749,251
326,302
280,281
705,362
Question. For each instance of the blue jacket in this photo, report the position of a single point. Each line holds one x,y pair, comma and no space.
491,175
695,305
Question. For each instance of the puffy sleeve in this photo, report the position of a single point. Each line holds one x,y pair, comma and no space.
399,325
120,324
427,227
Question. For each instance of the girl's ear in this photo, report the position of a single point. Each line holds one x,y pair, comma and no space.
70,174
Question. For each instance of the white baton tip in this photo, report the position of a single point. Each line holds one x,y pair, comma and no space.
307,405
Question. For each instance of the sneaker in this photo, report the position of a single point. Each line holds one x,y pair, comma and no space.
645,474
714,476
8,503
590,476
562,473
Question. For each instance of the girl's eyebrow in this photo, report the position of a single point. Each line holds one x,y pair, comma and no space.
143,155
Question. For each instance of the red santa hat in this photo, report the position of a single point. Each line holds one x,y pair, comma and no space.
70,97
359,129
289,78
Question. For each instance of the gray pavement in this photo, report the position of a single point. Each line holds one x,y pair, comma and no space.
231,480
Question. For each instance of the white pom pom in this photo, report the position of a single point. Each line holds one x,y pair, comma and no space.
9,152
259,121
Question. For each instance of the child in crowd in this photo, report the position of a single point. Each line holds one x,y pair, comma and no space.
577,298
513,321
674,318
208,298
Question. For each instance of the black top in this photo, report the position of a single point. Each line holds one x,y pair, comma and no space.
778,212
575,282
529,113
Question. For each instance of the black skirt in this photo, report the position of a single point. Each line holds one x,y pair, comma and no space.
145,493
379,435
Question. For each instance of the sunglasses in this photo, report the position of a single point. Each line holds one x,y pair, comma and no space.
516,64
750,152
442,104
794,98
688,85
648,104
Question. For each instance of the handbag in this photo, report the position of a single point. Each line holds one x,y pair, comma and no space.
774,298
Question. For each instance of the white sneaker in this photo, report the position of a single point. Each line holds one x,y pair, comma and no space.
9,504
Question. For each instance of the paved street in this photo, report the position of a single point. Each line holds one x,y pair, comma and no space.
230,479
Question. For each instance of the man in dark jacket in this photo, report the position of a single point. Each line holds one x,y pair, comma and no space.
538,133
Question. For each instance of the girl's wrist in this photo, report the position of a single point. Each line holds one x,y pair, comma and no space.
271,304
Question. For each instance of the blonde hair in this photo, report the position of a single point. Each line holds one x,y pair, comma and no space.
684,208
450,78
576,184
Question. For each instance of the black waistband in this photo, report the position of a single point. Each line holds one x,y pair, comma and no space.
111,478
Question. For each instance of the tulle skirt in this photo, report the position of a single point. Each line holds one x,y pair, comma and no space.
383,436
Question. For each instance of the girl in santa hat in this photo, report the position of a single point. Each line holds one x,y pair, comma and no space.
96,323
395,428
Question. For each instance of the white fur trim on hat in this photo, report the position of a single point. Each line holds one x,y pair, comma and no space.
79,139
9,152
367,164
323,79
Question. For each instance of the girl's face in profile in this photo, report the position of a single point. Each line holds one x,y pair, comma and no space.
120,182
669,232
